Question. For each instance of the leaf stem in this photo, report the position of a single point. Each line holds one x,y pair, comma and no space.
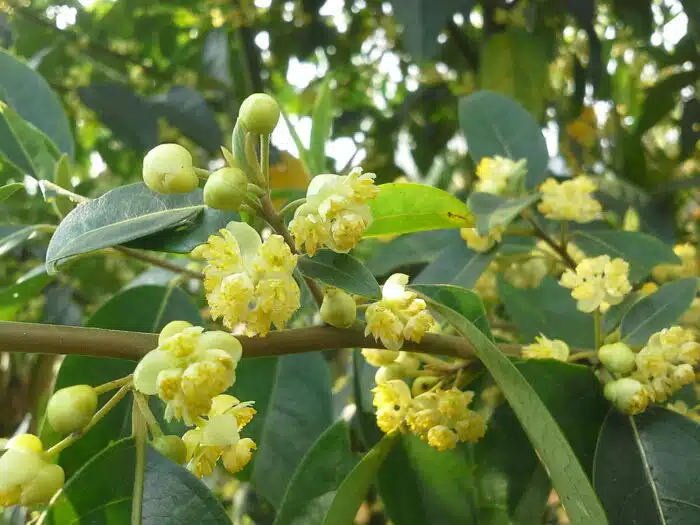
291,207
139,433
598,328
157,261
62,191
142,403
542,234
113,385
265,158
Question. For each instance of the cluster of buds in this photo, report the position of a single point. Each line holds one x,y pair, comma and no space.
481,243
654,373
249,282
545,348
689,266
598,283
570,200
399,315
499,175
335,214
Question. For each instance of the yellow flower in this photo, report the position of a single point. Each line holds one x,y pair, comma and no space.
545,348
378,358
628,395
249,281
598,283
481,243
495,175
442,438
391,399
528,274
570,200
689,266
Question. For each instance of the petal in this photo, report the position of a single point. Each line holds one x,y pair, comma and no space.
152,364
319,181
248,239
223,341
221,431
394,286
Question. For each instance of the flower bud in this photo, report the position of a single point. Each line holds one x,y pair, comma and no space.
259,113
225,189
408,362
172,447
70,409
48,480
168,168
338,308
628,395
388,373
379,357
423,384
618,358
239,455
172,328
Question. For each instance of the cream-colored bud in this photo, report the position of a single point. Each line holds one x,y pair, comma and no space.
618,358
168,168
225,189
388,373
338,308
70,409
259,113
628,395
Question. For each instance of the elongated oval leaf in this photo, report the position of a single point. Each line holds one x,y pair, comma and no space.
496,125
342,271
410,249
8,190
646,468
658,310
102,492
121,215
15,296
568,476
12,235
405,208
492,211
456,264
321,120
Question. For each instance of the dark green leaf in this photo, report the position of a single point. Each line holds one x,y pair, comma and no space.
496,125
123,214
342,271
646,468
457,264
658,310
12,235
492,210
464,301
363,382
662,97
410,249
321,120
9,189
14,297
317,478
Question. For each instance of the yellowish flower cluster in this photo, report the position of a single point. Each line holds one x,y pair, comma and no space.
440,417
218,436
545,348
481,243
26,477
527,274
598,283
399,315
188,368
248,281
689,267
335,213
497,174
570,200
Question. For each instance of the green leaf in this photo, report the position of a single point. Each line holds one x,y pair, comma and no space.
342,271
130,117
321,120
12,235
457,264
568,476
658,310
120,215
492,211
102,492
317,478
62,177
662,97
292,395
514,63
30,96
405,208
353,490
409,249
238,147
14,297
548,309
8,190
645,472
640,250
362,383
496,125
142,309
464,301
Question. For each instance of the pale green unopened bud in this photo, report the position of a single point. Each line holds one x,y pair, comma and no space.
409,363
259,113
71,408
338,308
168,168
422,384
172,328
388,373
48,480
225,189
628,395
172,447
618,358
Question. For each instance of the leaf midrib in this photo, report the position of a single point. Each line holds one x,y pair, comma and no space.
647,470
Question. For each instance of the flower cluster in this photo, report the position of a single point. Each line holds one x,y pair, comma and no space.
399,315
545,348
689,267
335,213
653,374
528,273
496,175
188,368
248,281
570,200
481,243
598,283
218,436
26,477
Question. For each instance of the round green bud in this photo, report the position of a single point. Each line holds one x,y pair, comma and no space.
172,447
338,308
617,357
168,168
71,408
43,486
422,384
628,395
407,362
388,373
259,113
225,189
218,339
172,328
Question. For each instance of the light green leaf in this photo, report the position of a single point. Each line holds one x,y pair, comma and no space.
457,264
640,250
496,125
405,208
12,235
15,296
321,120
9,189
567,474
646,468
342,271
658,310
492,211
238,148
62,177
120,215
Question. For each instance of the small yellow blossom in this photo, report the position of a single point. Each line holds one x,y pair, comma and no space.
628,395
598,283
527,274
481,243
545,348
570,200
376,357
391,399
497,174
335,213
249,281
399,315
442,438
689,267
486,285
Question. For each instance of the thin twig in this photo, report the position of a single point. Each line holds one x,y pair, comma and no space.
157,261
542,234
